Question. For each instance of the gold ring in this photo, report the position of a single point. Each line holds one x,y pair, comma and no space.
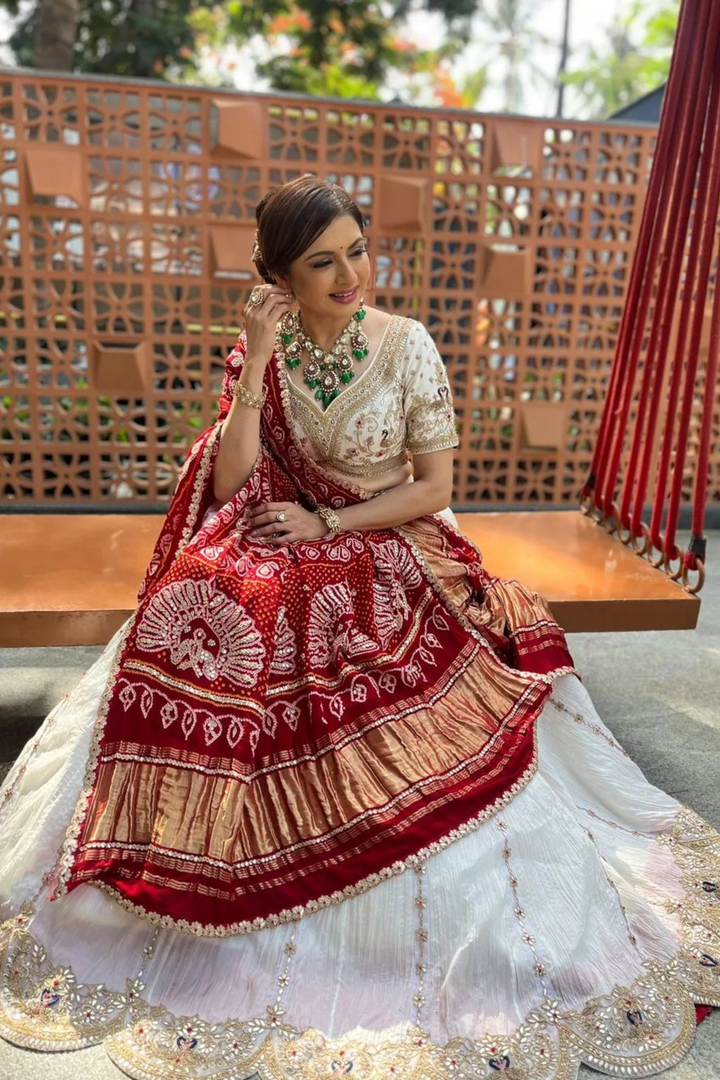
280,516
258,297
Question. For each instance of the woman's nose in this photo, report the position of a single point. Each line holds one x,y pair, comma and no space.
345,274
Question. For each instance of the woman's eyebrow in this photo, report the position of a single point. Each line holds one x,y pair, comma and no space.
316,253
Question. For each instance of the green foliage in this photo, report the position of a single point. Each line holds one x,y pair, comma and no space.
633,60
342,48
120,37
354,48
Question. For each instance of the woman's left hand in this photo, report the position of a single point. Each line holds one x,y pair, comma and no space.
296,524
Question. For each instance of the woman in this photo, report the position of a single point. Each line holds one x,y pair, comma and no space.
331,753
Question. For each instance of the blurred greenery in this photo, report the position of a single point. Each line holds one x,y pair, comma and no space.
118,37
631,60
359,48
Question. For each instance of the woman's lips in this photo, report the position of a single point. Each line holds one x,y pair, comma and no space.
344,298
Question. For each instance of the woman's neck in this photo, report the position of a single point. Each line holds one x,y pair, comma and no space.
322,330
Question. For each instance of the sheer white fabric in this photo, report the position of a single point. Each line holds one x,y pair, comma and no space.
582,849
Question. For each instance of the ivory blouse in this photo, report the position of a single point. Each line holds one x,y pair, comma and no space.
399,404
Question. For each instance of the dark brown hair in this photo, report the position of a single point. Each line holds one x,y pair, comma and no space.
291,217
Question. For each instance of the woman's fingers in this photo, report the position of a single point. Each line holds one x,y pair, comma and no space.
267,519
270,508
268,530
274,295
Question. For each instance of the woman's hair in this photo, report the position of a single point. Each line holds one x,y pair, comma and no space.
291,217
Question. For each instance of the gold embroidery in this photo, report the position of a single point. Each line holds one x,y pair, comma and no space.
638,1029
324,432
364,885
63,869
430,420
365,431
582,721
199,486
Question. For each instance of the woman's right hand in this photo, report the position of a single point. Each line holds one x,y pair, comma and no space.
261,322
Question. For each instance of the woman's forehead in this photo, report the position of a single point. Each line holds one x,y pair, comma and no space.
340,233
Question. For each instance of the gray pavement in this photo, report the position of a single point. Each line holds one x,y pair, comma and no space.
659,692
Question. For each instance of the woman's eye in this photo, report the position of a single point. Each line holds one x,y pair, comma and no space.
327,262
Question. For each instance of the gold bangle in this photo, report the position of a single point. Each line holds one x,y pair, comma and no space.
247,397
330,518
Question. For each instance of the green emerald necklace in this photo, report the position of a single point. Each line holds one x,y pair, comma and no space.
324,371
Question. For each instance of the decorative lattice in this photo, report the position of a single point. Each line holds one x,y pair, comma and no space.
126,219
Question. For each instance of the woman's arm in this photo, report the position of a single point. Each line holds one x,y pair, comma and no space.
239,437
240,432
427,494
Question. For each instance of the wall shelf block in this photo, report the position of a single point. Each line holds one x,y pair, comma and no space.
404,204
54,172
515,143
240,129
543,425
231,248
121,370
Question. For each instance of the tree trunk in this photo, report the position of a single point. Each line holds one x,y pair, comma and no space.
563,58
55,38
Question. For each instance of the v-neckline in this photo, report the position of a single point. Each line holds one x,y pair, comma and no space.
353,385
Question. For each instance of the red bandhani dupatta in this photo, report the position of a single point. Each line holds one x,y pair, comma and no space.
285,728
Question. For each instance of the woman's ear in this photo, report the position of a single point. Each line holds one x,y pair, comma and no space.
283,283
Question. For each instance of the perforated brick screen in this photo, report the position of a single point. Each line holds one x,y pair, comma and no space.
127,224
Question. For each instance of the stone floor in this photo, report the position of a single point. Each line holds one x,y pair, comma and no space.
659,692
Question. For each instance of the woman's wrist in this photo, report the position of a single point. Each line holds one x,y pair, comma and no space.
245,396
256,362
331,519
252,377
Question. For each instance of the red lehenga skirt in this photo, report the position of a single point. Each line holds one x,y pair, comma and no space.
344,808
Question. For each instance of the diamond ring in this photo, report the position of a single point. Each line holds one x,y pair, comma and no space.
280,516
258,297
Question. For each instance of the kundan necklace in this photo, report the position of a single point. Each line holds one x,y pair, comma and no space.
324,371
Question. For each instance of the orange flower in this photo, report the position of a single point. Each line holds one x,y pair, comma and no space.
402,46
287,24
446,91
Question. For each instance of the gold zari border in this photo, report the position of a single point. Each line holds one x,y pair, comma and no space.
149,1043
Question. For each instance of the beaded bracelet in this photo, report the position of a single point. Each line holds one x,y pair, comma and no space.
247,397
330,518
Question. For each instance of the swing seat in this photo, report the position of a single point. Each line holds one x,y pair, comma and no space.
72,579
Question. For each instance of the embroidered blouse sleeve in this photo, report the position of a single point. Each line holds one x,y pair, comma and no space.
429,415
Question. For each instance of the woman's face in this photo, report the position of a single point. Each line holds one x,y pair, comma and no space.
330,278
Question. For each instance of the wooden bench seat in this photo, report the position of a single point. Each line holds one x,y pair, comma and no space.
71,579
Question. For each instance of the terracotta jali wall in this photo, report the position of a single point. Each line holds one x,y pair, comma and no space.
127,227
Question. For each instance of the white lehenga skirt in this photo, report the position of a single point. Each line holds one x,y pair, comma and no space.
580,923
